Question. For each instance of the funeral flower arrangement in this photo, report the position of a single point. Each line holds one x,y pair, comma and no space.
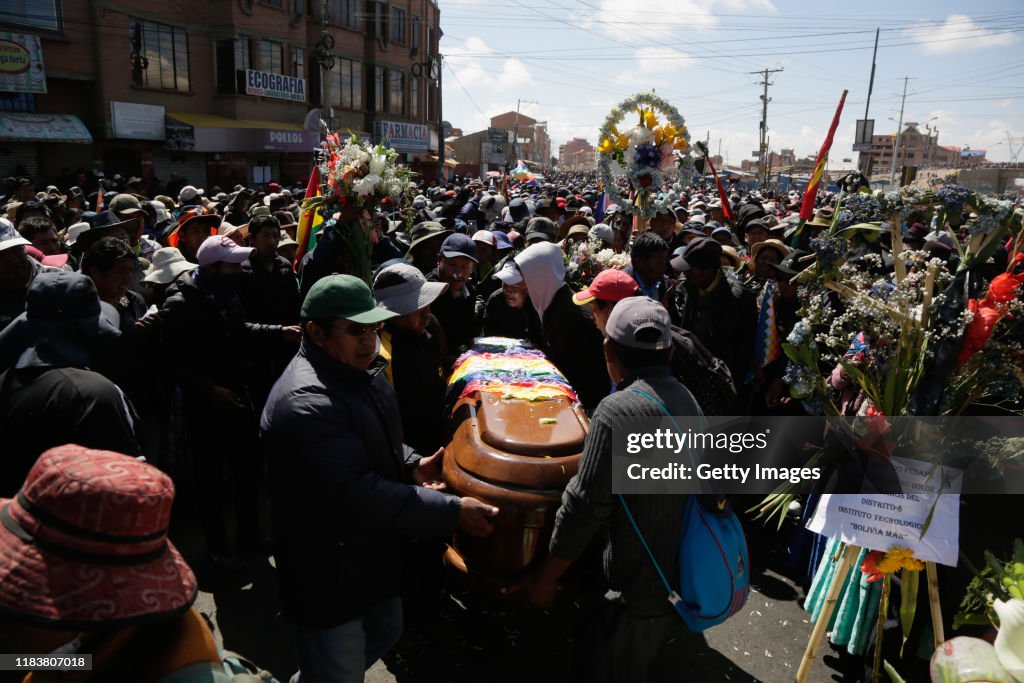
590,257
357,178
644,153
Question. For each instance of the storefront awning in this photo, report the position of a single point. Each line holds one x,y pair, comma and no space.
43,128
211,133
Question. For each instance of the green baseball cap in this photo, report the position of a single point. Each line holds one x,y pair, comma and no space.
343,296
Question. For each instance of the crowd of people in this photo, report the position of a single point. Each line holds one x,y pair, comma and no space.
182,330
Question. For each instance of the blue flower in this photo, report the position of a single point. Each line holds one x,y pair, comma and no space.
953,197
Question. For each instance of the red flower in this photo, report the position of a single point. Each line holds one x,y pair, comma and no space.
646,180
870,566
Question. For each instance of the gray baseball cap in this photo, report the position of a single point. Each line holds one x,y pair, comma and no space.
640,322
402,289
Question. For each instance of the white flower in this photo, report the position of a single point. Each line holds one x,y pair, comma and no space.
365,186
1010,640
377,164
639,136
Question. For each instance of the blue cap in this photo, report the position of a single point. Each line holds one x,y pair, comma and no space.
501,240
459,245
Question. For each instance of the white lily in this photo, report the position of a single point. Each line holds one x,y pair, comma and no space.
1010,641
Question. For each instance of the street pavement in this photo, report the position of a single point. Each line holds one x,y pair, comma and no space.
472,638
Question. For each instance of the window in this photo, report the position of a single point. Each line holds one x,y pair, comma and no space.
348,83
414,97
298,62
398,25
233,58
271,57
396,92
36,15
430,40
344,12
415,33
164,53
380,20
378,89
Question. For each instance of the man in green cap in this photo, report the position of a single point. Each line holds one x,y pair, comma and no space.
346,492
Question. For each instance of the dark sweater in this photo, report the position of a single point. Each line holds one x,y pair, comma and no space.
589,507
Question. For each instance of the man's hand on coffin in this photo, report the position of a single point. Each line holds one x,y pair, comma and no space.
428,471
475,517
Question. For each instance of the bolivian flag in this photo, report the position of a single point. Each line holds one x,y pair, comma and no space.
309,220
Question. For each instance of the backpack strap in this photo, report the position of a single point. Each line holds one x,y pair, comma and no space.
673,596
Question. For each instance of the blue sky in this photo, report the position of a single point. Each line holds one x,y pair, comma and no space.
574,59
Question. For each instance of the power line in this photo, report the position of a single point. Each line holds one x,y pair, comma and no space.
762,152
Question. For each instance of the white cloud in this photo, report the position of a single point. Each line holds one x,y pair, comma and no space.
624,18
959,33
478,75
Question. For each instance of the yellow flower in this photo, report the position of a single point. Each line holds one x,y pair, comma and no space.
650,119
622,142
669,132
681,144
606,146
899,558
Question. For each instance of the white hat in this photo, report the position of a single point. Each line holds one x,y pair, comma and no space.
272,197
603,232
9,237
484,237
189,193
509,273
286,241
75,230
220,249
168,264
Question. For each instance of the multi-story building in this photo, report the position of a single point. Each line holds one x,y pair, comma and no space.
916,149
577,154
532,142
219,93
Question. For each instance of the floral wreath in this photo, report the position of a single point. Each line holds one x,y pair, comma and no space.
644,152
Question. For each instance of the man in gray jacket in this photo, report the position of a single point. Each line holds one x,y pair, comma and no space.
346,493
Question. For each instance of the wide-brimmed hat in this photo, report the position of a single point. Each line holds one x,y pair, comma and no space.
167,265
402,289
194,215
569,223
421,232
103,224
84,544
775,244
730,253
794,262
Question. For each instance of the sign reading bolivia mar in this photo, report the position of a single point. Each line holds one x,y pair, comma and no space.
883,521
275,85
21,63
402,137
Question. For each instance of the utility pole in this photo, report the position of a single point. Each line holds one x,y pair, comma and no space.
1010,142
864,160
899,135
515,143
762,155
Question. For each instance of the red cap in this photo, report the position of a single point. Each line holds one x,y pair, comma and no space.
560,201
273,187
609,285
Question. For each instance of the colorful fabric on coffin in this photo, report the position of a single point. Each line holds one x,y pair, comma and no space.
515,373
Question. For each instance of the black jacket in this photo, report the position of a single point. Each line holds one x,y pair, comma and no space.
501,320
724,320
417,370
457,316
573,344
270,296
342,500
206,345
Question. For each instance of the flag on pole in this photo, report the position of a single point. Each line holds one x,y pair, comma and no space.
722,196
309,220
811,191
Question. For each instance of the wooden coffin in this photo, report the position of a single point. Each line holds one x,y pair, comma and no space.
517,455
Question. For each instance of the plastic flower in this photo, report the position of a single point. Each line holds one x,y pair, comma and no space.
649,118
899,558
605,146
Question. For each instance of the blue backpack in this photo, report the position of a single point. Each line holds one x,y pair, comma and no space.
714,578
